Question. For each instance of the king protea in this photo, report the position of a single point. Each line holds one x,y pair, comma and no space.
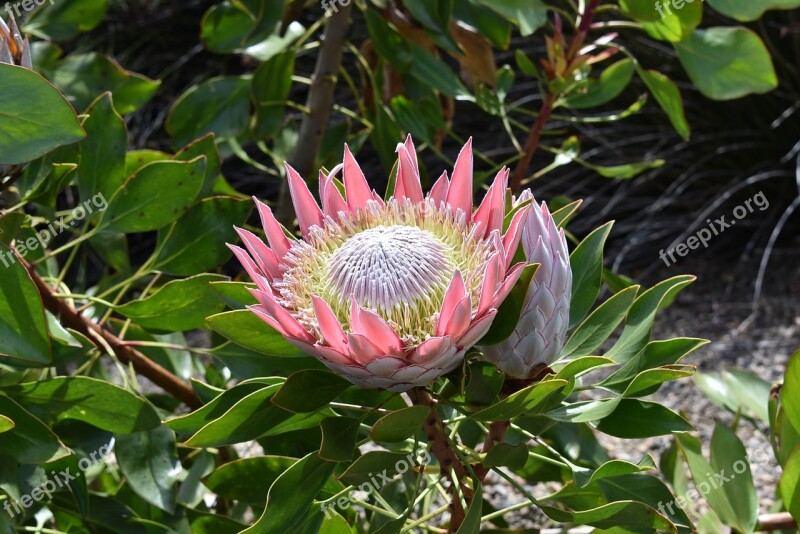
389,294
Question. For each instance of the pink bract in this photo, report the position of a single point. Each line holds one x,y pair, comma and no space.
387,293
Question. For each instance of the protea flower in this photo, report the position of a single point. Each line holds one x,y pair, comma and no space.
539,335
14,50
389,294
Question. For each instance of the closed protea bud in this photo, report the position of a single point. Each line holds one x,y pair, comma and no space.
14,50
539,335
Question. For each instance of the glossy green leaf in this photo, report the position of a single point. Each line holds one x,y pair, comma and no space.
520,402
219,105
727,63
668,97
272,82
339,438
635,419
216,408
83,77
602,322
234,25
437,74
737,390
632,514
205,146
613,80
99,403
291,495
790,393
34,118
647,489
149,461
647,382
389,44
654,354
586,262
400,425
248,479
308,391
639,323
61,21
244,328
23,327
676,24
235,294
155,196
790,484
373,462
750,10
30,441
506,455
729,455
529,15
251,418
510,310
177,306
613,468
6,424
196,242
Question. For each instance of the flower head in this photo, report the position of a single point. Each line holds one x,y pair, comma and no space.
14,50
389,294
539,335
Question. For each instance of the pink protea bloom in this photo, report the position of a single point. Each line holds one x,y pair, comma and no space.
389,294
539,335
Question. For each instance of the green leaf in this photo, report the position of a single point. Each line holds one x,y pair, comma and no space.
219,105
150,464
235,294
97,402
196,242
30,441
639,323
613,80
749,10
193,422
790,393
102,165
654,354
270,88
244,328
155,196
205,146
727,63
23,327
291,495
738,391
586,262
510,310
727,454
472,519
248,479
61,21
649,490
790,484
177,306
6,424
634,515
373,462
339,438
613,468
647,382
234,26
677,24
506,455
35,118
579,366
634,418
310,390
399,425
85,76
523,401
437,74
389,44
529,15
253,417
668,97
602,322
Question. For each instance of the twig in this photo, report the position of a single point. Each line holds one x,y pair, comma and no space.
448,459
319,103
104,339
770,522
532,143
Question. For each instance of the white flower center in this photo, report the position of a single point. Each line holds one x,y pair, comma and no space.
385,266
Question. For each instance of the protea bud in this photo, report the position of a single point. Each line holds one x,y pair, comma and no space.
14,50
539,335
390,294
